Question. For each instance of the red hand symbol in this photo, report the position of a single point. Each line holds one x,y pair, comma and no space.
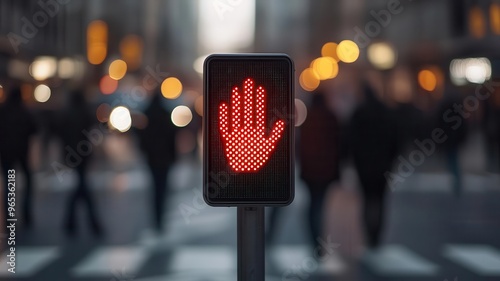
246,147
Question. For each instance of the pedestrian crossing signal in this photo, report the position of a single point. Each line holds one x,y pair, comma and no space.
248,130
246,146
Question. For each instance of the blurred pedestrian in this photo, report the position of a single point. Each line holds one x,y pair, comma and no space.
491,127
319,160
455,128
76,119
157,141
17,126
374,146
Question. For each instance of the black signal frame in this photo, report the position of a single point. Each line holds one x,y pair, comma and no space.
224,181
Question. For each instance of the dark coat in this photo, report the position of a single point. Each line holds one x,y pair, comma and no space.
373,138
17,125
157,140
319,146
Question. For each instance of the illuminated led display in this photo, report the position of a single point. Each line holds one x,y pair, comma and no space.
246,145
248,130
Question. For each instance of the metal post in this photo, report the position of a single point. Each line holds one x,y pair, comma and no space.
251,254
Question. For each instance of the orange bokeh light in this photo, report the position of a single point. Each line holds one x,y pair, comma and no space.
477,24
309,80
131,47
427,80
325,68
330,50
97,41
108,85
171,88
495,18
117,69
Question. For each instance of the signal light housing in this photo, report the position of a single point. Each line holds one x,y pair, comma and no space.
248,130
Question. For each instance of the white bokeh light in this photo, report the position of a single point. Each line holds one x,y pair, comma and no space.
120,119
226,26
198,64
472,70
181,116
300,112
66,68
43,68
42,93
382,55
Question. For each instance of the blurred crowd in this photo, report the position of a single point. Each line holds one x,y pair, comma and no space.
384,138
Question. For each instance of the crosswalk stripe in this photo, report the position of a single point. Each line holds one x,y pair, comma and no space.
481,259
208,258
180,232
29,260
398,260
202,276
443,183
112,261
389,260
300,259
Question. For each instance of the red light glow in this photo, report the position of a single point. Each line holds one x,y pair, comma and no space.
246,146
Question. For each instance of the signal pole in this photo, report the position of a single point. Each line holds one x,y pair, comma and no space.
251,253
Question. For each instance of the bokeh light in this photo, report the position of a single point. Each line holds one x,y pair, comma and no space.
400,85
18,69
325,67
97,53
300,112
495,18
475,73
198,105
120,119
27,92
473,70
2,94
330,50
457,72
66,68
97,41
477,24
181,116
131,47
309,80
348,51
198,64
381,55
103,111
43,68
117,69
42,93
171,88
108,85
427,80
